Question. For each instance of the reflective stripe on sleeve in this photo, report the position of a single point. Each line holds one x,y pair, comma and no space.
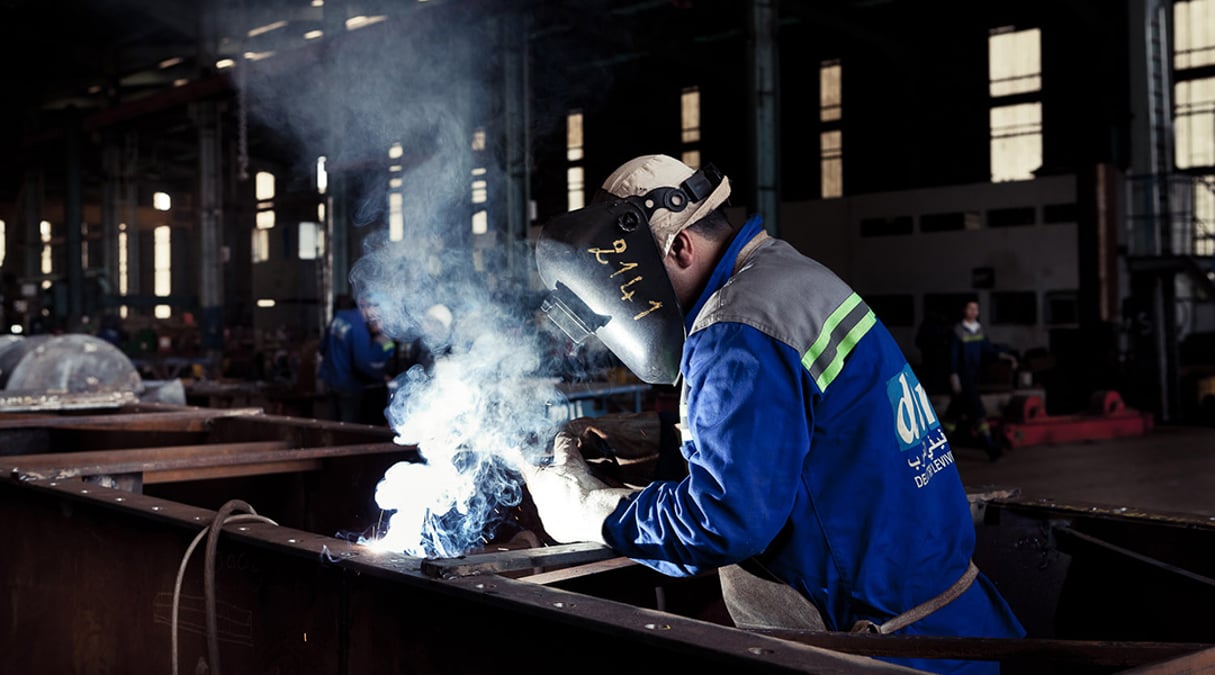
843,329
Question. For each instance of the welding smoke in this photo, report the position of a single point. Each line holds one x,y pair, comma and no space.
428,82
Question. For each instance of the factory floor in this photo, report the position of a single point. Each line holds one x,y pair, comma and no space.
1171,469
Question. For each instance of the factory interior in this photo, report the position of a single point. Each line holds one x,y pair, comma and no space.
195,195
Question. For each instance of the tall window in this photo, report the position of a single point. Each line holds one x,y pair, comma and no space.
396,198
264,192
689,125
162,280
3,243
831,141
1194,115
44,234
124,269
575,179
480,185
1015,85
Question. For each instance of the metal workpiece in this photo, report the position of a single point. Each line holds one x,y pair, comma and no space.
103,513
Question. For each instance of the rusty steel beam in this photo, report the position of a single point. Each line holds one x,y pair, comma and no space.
293,601
1108,654
178,420
177,458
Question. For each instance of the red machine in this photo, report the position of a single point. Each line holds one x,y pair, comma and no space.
1026,423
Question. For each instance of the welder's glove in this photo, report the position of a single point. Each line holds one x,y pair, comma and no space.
955,383
571,502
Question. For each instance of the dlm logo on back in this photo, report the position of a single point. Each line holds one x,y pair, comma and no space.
913,415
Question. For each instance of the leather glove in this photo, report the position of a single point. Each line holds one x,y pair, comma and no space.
571,502
955,383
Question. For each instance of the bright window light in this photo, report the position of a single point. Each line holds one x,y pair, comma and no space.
830,96
3,243
265,219
16,329
480,191
44,233
162,312
395,183
831,149
264,186
480,222
357,22
478,141
1014,61
395,151
396,216
262,30
313,34
123,265
322,177
309,240
574,183
689,114
691,158
1194,33
1016,141
162,256
169,63
261,245
265,302
161,201
1194,122
573,136
224,64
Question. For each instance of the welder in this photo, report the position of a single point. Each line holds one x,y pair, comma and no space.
819,482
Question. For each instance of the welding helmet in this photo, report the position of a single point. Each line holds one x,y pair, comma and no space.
604,263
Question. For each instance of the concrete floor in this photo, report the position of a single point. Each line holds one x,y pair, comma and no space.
1172,469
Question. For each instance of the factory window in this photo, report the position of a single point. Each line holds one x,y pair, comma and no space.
947,222
396,216
1017,308
831,143
162,255
322,176
573,136
161,201
123,265
1015,84
884,227
480,222
263,189
3,243
574,180
1195,122
1193,34
689,114
946,307
575,187
310,240
689,124
1204,215
1012,217
264,186
893,310
266,302
261,245
1053,214
832,158
1060,308
829,92
44,234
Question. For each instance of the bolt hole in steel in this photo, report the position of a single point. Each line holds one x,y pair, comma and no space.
561,605
84,492
54,484
155,508
291,541
658,626
119,499
760,651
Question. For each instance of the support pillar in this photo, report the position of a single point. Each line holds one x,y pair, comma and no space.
764,80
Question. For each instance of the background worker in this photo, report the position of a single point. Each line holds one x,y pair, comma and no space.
969,351
819,480
354,355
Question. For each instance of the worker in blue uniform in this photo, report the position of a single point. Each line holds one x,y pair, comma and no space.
815,462
969,351
354,357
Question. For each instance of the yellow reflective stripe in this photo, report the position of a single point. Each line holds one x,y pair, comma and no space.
824,338
854,336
